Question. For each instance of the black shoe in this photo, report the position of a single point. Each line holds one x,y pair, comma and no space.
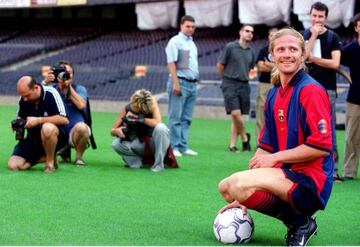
234,149
301,235
246,145
338,179
347,178
65,154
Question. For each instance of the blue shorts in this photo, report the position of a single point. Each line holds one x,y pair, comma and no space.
31,148
303,195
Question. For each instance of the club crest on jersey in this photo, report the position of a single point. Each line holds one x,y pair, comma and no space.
281,115
323,126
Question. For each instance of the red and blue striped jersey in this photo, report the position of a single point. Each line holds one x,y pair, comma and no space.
299,114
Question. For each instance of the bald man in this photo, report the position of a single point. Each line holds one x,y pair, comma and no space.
43,110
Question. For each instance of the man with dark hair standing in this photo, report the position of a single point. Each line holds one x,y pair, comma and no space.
182,60
75,99
351,57
323,56
44,112
264,65
233,67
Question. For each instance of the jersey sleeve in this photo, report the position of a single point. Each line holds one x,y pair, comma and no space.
54,102
346,55
336,43
21,112
224,55
317,114
172,51
81,90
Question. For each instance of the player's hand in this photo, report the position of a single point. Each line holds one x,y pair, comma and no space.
119,132
262,161
234,204
317,29
32,122
176,88
49,78
129,114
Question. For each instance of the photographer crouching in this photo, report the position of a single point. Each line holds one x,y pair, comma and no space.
42,113
141,133
77,107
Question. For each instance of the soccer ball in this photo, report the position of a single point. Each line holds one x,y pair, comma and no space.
233,227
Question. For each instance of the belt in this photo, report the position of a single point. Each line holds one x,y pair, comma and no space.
188,80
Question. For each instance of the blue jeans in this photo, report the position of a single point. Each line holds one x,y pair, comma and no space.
180,113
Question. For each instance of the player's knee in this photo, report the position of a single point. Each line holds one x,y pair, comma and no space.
82,129
48,130
235,114
161,130
236,185
119,147
223,186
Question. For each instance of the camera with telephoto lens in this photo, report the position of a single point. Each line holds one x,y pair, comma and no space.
133,126
59,71
18,126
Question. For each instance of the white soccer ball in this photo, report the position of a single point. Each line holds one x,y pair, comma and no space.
233,227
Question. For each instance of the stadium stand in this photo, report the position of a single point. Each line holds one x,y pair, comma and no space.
106,51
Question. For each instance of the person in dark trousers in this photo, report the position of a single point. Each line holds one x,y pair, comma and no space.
323,56
350,57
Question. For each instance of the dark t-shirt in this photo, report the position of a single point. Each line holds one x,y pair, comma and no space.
264,55
350,56
50,104
329,42
237,61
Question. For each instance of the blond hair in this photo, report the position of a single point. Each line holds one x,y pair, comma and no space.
275,73
142,101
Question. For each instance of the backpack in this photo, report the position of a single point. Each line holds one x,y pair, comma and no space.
86,113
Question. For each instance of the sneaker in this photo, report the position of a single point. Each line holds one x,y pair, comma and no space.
79,162
234,149
156,169
177,153
190,152
246,145
301,235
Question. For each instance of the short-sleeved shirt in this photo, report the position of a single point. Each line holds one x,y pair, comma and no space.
75,115
264,55
350,57
237,61
329,42
301,114
182,51
50,104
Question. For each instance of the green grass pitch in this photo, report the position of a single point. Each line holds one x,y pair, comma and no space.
105,203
